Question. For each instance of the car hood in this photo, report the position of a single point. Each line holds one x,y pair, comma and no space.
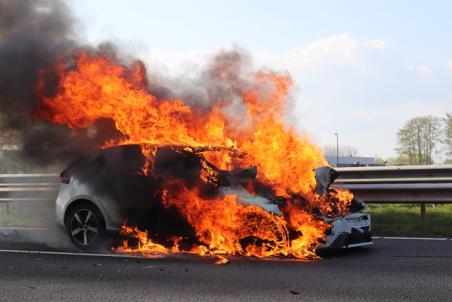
246,198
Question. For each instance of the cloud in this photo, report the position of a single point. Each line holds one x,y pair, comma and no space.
422,70
344,85
376,44
341,49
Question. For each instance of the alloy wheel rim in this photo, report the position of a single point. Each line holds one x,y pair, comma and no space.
84,227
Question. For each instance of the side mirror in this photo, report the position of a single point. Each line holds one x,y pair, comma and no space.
356,205
324,177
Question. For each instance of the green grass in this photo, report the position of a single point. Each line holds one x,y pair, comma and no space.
35,215
405,220
14,221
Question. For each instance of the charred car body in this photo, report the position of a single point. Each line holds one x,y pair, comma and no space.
97,193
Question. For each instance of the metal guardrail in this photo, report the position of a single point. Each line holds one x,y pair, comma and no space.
399,184
427,171
392,184
27,187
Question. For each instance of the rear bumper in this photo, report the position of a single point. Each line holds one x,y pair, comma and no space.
60,204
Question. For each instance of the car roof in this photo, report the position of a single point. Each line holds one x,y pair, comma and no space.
193,149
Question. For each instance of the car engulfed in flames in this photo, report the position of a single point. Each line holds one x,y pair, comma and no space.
226,177
188,205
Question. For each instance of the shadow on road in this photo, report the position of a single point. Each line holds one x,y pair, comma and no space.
344,253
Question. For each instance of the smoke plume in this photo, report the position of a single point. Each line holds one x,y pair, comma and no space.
35,35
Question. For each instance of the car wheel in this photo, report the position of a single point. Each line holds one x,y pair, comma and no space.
86,226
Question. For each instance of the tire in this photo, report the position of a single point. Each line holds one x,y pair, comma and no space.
86,226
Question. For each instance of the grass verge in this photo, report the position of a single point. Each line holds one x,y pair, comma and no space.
38,214
405,220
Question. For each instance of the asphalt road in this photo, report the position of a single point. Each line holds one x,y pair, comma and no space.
391,270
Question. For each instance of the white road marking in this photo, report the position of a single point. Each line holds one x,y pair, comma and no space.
162,256
80,254
412,238
22,229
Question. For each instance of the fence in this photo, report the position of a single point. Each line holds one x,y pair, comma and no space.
32,187
399,184
396,185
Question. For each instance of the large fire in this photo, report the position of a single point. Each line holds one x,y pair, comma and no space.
96,87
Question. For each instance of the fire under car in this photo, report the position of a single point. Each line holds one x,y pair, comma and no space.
99,192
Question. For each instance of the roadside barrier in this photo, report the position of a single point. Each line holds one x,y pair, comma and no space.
27,187
399,184
374,185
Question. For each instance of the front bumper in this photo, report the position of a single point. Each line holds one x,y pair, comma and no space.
350,231
350,240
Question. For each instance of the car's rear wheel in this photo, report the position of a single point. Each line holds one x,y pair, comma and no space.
85,225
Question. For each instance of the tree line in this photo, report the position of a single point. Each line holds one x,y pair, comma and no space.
424,138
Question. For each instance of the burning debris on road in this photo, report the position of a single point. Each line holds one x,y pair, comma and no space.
233,132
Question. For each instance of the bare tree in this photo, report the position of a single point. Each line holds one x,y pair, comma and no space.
448,136
418,139
346,150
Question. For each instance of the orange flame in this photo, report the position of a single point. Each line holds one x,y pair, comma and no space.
222,223
97,87
144,245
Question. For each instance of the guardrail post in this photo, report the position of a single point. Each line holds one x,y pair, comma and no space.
423,212
6,208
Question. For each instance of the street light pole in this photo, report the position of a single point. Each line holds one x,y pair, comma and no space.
337,149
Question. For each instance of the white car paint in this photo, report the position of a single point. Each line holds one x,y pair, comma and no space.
77,190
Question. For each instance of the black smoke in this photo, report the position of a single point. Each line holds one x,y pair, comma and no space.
34,35
37,34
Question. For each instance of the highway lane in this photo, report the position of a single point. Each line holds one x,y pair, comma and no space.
391,270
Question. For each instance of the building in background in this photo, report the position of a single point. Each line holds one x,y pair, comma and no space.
352,161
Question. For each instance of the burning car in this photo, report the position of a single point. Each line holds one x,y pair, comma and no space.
99,193
76,99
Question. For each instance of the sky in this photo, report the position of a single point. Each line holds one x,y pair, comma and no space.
360,68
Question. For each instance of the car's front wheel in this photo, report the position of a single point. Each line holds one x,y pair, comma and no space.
85,225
